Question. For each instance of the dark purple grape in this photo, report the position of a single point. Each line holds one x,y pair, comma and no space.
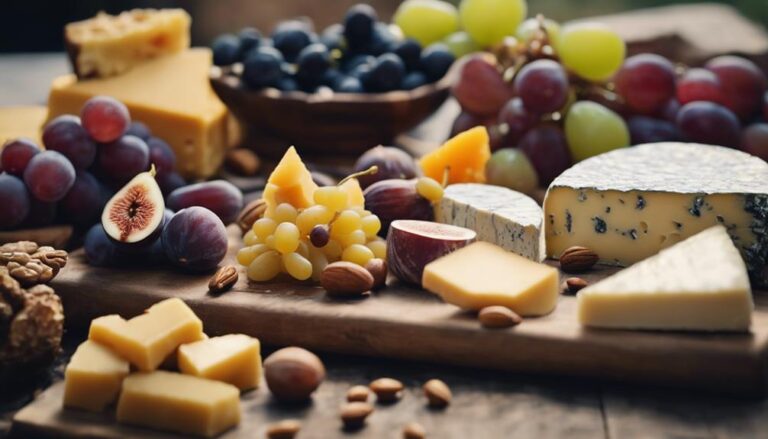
40,214
358,25
250,38
386,74
333,37
393,163
195,239
646,82
290,37
414,80
669,110
100,251
105,118
436,60
542,85
699,85
349,84
122,159
644,129
547,149
140,130
49,176
409,50
319,236
226,50
312,64
262,67
765,106
219,196
480,88
743,83
84,202
66,135
709,123
518,120
465,121
161,155
170,182
16,154
14,200
754,140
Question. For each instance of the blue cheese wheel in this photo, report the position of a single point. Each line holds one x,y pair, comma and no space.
498,215
630,203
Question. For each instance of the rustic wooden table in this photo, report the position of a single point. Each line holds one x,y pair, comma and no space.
486,404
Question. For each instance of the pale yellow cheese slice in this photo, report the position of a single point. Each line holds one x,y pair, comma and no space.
233,358
93,377
23,121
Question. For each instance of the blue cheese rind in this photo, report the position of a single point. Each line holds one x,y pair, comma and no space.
498,215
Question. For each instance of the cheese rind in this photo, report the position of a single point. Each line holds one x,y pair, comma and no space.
699,284
93,377
146,340
498,215
483,274
628,204
233,359
180,403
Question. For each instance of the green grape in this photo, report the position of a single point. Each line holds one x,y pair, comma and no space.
460,44
527,30
510,167
593,129
426,21
489,21
591,50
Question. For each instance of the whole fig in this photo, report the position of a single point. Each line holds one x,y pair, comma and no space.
392,200
393,163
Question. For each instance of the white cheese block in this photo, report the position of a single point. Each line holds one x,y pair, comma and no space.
498,215
700,283
628,204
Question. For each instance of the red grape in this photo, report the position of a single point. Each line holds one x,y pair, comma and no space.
66,135
754,140
646,82
699,85
40,214
518,120
140,130
84,202
15,201
122,159
547,150
16,154
49,176
542,85
708,122
105,118
161,155
670,110
465,121
644,129
481,89
743,83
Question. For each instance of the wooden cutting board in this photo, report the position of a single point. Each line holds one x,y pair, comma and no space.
408,323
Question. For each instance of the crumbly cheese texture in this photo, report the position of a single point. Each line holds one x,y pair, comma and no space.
93,377
22,121
483,274
179,403
498,215
146,340
108,45
699,284
233,359
172,95
628,204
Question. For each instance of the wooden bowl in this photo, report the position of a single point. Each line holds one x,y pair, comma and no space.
325,123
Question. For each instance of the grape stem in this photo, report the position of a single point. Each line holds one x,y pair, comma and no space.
370,171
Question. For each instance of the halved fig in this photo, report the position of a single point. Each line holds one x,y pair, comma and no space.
134,215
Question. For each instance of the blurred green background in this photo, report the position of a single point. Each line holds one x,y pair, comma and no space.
36,25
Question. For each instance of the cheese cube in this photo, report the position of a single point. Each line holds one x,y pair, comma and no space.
483,274
21,122
93,377
699,284
146,340
179,403
172,96
233,358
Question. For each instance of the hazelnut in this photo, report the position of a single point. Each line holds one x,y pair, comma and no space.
293,373
438,393
378,269
353,414
387,390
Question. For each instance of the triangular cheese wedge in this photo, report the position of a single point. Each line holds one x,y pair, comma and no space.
700,284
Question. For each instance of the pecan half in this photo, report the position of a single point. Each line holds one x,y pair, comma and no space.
224,279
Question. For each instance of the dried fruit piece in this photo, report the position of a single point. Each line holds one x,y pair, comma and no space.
358,394
286,429
438,393
134,215
498,317
353,414
293,373
342,279
387,390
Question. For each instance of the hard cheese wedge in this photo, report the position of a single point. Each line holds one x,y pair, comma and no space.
146,340
483,274
233,359
179,403
464,156
93,377
21,122
290,183
172,96
628,204
501,216
700,283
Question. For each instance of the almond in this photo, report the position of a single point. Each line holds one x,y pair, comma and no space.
286,429
353,414
378,269
577,259
572,285
438,393
386,389
250,213
345,279
414,430
358,394
498,317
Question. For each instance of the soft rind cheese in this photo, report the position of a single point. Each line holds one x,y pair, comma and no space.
628,204
498,215
93,377
700,283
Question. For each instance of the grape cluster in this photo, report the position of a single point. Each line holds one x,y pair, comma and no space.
360,55
85,160
301,242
